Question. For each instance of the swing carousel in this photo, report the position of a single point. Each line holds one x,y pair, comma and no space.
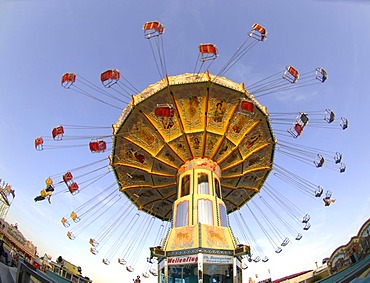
190,150
199,148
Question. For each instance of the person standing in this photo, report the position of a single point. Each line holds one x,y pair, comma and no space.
3,253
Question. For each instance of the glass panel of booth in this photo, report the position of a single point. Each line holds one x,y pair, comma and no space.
182,214
187,273
205,211
223,215
217,188
203,183
185,185
239,274
217,273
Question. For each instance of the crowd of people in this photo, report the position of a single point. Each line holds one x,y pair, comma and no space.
7,258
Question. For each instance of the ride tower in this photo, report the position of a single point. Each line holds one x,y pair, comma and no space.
200,246
191,149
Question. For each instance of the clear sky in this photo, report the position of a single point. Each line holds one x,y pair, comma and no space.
42,39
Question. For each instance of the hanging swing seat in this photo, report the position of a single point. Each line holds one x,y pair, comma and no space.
258,32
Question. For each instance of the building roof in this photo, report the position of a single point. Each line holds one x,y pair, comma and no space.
12,233
291,276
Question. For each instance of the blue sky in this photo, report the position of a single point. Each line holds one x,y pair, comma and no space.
41,40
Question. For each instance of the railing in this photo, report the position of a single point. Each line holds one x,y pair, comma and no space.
26,272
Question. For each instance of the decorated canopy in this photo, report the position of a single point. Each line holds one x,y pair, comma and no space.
185,117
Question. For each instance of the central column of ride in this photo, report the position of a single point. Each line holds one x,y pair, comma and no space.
200,246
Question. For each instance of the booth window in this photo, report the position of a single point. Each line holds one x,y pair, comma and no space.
185,185
217,188
182,273
203,184
182,214
205,212
218,273
223,216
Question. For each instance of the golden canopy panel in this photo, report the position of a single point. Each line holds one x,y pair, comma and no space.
185,117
